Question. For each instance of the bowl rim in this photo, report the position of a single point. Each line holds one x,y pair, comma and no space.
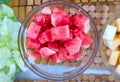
78,71
105,62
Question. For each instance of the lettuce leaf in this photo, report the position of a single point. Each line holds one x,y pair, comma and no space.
10,60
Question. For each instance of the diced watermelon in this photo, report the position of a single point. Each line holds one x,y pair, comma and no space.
45,36
46,10
71,22
33,30
86,39
46,52
53,45
60,36
73,46
33,54
62,54
59,17
43,19
76,32
61,32
32,43
53,57
82,22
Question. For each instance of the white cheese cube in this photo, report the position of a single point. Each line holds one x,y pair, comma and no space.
117,24
118,69
113,44
114,58
108,52
109,32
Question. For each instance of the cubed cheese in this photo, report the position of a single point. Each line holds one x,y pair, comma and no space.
119,60
114,58
113,44
108,52
109,32
117,24
118,69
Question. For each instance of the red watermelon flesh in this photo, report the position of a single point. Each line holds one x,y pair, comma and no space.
45,36
62,54
46,52
33,30
43,20
73,46
32,43
54,45
59,17
86,39
61,32
33,54
82,22
60,36
46,10
53,57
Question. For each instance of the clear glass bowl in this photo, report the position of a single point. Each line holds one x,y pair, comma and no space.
65,70
103,47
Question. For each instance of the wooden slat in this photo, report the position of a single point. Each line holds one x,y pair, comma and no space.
93,0
76,1
38,60
15,9
21,80
104,78
37,2
44,1
37,81
23,2
44,61
51,62
21,13
110,0
44,81
102,0
16,81
30,2
111,78
117,0
28,9
29,81
15,2
84,0
85,77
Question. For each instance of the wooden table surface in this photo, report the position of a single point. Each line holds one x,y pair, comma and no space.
100,10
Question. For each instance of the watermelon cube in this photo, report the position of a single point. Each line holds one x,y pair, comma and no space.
73,46
61,32
59,17
46,10
53,57
86,39
82,22
43,20
33,54
45,36
54,45
33,30
46,52
62,54
32,43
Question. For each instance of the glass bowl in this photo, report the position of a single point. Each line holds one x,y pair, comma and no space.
106,55
64,70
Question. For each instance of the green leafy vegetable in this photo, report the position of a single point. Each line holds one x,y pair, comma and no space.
10,60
